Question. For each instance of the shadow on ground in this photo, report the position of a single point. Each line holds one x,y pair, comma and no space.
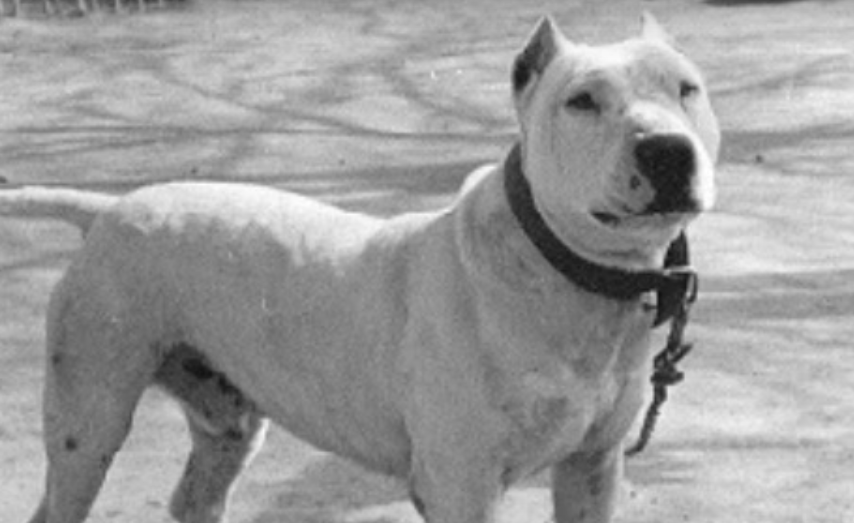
331,487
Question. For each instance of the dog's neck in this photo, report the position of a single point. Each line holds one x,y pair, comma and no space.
619,279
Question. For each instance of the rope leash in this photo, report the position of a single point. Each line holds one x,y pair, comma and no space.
665,373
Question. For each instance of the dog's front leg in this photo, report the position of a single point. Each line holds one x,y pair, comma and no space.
456,473
458,489
585,486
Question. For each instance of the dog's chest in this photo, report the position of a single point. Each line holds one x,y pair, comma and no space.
568,384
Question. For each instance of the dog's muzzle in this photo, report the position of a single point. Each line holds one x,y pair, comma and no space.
668,162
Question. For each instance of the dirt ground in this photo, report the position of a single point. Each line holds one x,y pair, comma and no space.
384,105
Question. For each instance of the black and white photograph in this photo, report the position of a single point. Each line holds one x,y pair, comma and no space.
440,261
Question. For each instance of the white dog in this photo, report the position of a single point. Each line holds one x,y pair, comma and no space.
457,349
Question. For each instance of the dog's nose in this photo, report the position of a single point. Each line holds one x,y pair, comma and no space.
667,161
665,158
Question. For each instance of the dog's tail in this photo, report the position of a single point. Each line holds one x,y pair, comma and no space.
76,207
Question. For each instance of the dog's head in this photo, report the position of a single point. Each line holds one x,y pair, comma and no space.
619,140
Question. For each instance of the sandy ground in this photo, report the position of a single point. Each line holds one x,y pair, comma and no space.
384,105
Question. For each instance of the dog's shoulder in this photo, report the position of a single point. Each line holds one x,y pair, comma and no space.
491,244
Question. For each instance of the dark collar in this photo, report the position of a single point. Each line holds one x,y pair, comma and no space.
674,283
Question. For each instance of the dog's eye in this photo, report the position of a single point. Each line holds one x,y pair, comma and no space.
583,102
688,89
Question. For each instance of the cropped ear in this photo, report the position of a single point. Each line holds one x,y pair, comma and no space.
652,30
541,48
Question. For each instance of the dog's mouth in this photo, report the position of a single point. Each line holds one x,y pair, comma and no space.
663,209
607,218
646,218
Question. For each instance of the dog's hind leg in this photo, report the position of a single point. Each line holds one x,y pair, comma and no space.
226,429
95,374
214,464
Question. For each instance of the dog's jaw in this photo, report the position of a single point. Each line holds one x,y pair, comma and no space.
644,220
630,242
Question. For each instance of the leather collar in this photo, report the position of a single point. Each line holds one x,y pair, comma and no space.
675,283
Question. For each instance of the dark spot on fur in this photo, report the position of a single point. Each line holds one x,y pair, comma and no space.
233,434
57,359
198,369
419,504
595,485
507,476
226,387
71,444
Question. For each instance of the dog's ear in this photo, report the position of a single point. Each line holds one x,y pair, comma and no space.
542,46
652,30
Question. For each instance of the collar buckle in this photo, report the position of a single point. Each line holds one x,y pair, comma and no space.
678,291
